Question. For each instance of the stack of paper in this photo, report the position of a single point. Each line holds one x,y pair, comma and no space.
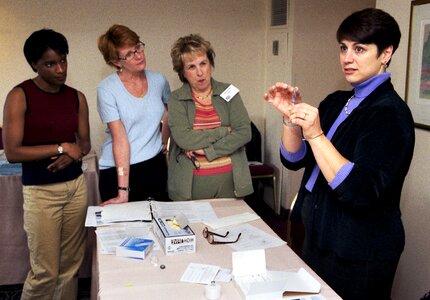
194,211
131,211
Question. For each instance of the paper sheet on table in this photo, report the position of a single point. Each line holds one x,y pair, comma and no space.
223,275
110,237
252,238
231,220
114,213
195,211
91,219
130,211
200,273
300,297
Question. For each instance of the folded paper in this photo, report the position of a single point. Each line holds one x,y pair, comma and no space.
255,282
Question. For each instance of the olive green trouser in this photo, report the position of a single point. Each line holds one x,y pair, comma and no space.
213,186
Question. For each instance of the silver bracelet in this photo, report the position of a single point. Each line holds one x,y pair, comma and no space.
288,124
313,137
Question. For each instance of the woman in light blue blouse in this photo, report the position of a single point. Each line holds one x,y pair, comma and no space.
132,103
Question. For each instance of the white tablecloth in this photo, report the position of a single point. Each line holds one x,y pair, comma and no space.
124,278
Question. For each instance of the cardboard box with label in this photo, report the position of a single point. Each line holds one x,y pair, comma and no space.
173,238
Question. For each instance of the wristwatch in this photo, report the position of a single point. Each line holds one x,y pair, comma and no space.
60,149
124,188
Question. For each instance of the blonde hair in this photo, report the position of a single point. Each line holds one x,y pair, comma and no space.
190,44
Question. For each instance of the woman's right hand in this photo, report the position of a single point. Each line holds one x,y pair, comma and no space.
283,97
73,150
192,153
60,163
121,198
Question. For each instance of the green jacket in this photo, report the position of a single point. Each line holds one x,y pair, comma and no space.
215,142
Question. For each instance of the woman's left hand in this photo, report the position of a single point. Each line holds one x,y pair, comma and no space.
73,150
199,152
192,153
307,117
61,162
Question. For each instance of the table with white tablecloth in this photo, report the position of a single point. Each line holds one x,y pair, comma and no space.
125,278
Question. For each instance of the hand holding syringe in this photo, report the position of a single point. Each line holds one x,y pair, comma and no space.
288,100
293,97
283,97
293,102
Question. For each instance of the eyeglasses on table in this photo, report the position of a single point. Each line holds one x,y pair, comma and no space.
210,237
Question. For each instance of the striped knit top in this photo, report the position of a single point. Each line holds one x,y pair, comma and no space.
206,117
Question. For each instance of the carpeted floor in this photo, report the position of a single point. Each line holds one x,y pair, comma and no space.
10,292
13,292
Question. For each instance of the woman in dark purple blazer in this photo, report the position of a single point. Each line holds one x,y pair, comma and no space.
356,148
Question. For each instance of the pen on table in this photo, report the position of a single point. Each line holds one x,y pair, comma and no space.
129,221
150,209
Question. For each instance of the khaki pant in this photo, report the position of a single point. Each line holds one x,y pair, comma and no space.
54,216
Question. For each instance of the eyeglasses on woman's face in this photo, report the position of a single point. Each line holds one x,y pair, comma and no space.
209,236
140,47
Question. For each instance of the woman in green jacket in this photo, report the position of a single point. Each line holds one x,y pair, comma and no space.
209,129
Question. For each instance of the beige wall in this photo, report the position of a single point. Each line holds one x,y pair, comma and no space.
235,28
413,274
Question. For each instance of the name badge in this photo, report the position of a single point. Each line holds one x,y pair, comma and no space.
229,93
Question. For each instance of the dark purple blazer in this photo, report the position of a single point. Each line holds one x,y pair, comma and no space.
361,218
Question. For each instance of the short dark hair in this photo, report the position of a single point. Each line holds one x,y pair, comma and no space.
370,26
42,40
190,44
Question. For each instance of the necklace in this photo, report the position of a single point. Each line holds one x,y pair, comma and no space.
203,97
345,108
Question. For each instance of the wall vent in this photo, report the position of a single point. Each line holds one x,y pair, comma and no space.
279,12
